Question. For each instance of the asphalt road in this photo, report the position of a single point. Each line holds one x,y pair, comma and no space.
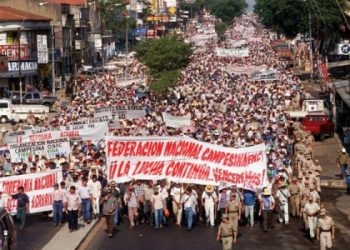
145,237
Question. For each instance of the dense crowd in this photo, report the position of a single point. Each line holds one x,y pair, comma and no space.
226,109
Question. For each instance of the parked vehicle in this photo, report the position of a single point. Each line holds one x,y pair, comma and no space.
35,98
8,234
10,112
87,74
319,124
309,107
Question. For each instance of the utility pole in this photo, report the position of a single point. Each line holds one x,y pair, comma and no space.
19,66
126,44
53,59
311,56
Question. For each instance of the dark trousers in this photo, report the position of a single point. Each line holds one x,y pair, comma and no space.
72,219
57,212
267,219
109,222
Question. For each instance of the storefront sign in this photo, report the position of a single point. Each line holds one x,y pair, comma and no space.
12,52
29,66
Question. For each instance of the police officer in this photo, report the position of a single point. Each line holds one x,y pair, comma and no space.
294,190
325,230
311,210
234,210
226,233
317,170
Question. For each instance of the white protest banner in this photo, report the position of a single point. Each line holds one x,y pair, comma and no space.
90,131
113,121
49,149
176,121
232,52
237,43
182,159
124,112
38,187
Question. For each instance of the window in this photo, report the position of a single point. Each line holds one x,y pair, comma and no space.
36,96
4,105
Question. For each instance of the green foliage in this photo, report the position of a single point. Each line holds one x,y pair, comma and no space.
166,80
220,29
164,54
227,10
291,17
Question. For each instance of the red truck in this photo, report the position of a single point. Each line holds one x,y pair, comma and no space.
319,124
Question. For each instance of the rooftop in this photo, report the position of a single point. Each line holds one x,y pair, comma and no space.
70,2
11,14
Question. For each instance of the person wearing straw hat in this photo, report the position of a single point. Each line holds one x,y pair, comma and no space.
267,205
226,233
209,198
325,230
282,195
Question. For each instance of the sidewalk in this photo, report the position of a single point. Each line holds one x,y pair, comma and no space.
69,241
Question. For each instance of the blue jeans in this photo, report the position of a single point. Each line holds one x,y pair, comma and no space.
189,217
249,212
116,216
158,216
21,215
57,212
86,209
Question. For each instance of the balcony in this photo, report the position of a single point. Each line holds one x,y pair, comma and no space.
81,23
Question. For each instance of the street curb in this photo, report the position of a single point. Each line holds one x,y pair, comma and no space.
333,183
95,227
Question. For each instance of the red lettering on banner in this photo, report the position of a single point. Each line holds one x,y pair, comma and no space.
187,170
231,160
149,168
70,134
41,200
40,137
141,148
183,148
45,182
11,187
248,179
119,169
11,204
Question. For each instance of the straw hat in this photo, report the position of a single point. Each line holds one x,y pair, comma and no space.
267,192
209,188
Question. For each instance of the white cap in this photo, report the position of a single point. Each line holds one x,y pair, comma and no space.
343,150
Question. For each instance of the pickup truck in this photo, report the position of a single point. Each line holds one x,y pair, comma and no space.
310,107
319,124
34,98
9,112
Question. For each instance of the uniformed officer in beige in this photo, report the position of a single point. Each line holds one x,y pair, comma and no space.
311,210
234,210
294,190
325,230
226,233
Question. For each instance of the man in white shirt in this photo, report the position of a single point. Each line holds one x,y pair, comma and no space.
176,193
209,199
158,207
282,195
3,200
72,206
311,210
189,201
59,198
86,198
95,187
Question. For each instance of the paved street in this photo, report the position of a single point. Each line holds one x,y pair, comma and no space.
145,237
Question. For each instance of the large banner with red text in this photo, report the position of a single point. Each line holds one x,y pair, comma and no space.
185,160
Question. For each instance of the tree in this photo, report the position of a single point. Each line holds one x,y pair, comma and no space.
291,17
164,54
164,58
227,10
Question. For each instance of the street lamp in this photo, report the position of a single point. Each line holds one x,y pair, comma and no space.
52,52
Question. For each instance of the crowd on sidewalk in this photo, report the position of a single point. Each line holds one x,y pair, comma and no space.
225,109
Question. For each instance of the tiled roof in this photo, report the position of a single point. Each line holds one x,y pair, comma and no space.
70,2
11,14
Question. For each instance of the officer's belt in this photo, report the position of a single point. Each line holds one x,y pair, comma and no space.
227,236
232,212
325,231
295,194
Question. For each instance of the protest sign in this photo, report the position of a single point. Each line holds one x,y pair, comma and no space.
176,121
48,148
90,131
38,187
182,159
123,112
113,121
237,43
232,52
